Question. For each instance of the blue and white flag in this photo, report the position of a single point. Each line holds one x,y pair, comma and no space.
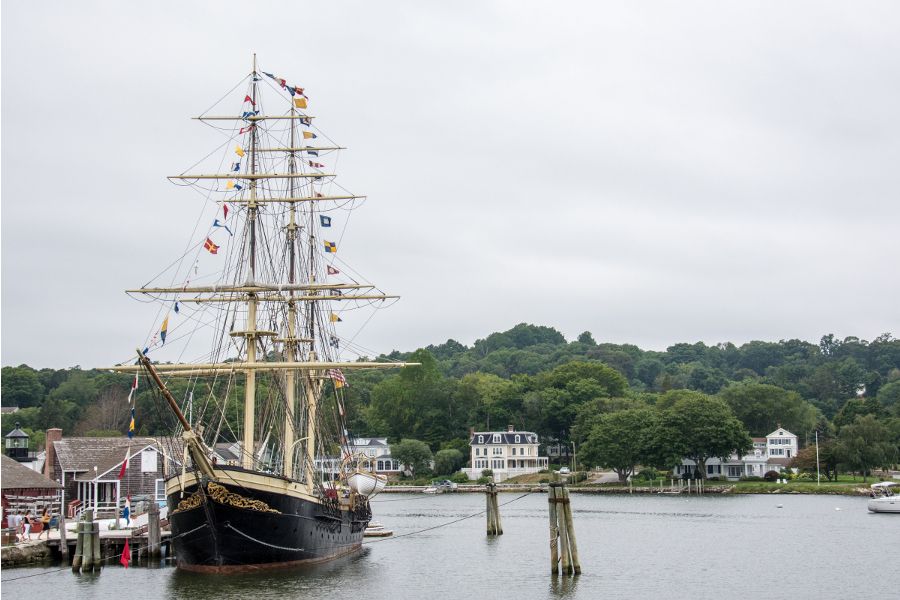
222,225
325,220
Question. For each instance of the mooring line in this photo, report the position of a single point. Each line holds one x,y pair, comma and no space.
478,514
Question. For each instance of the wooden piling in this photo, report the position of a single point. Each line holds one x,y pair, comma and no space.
153,531
493,510
63,545
564,551
570,529
95,540
554,531
79,547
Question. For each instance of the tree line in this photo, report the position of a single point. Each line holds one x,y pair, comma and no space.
566,391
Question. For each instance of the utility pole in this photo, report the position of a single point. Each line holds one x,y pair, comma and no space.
818,476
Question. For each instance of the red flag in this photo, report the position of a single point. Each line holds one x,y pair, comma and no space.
316,165
224,211
124,466
126,555
246,129
250,100
209,245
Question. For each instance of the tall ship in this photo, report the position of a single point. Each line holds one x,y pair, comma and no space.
261,291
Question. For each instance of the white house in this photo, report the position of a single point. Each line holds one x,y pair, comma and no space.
771,453
376,449
507,453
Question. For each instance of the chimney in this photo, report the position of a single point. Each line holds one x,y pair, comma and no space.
510,428
471,432
53,435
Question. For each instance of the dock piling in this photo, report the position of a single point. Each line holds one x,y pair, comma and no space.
153,531
563,546
493,510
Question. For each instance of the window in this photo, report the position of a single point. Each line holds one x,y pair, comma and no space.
518,438
498,451
160,490
496,438
514,450
148,461
480,439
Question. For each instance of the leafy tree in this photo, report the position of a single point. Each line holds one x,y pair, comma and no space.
889,395
620,441
856,407
587,339
700,427
415,454
865,444
761,408
21,387
448,461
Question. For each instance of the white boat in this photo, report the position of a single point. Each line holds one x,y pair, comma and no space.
885,497
366,484
432,489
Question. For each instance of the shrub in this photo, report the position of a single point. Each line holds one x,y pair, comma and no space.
714,478
647,474
459,477
751,478
483,480
771,475
487,473
544,480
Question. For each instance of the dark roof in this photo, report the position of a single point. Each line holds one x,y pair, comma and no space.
506,437
17,433
779,461
17,477
81,454
223,449
380,442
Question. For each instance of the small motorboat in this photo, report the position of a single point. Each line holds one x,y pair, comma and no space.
433,489
885,497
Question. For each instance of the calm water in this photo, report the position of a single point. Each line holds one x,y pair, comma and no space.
630,546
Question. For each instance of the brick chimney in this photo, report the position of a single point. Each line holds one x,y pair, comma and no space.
510,428
53,435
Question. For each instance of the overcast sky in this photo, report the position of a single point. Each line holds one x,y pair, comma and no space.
651,172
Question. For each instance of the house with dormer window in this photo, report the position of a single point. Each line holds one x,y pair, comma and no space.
771,453
507,453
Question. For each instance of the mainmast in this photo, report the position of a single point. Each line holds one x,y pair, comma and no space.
290,343
249,450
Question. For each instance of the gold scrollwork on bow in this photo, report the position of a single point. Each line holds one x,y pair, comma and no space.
221,495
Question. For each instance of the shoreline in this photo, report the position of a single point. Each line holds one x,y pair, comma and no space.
783,489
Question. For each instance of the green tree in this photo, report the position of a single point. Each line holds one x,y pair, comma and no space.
21,387
620,441
889,395
762,408
448,461
701,427
865,444
415,454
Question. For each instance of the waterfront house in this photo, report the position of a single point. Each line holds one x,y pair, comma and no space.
377,453
24,489
507,453
89,470
771,453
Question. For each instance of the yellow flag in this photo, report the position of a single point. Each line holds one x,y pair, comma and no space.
229,185
300,102
334,318
239,151
308,135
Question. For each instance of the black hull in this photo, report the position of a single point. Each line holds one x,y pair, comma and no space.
218,534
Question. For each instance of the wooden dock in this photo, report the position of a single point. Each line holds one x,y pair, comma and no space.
112,542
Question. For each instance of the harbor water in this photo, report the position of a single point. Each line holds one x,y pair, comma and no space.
631,547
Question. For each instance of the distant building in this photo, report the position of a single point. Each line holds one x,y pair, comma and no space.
507,453
377,452
771,453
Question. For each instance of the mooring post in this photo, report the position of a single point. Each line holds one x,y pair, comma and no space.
565,553
570,529
153,533
79,547
63,545
95,539
498,526
87,543
554,531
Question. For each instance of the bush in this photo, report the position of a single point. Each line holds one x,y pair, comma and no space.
714,478
459,477
544,480
647,475
487,473
751,478
484,479
771,476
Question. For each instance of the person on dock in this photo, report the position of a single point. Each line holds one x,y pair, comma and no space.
26,527
45,524
15,522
